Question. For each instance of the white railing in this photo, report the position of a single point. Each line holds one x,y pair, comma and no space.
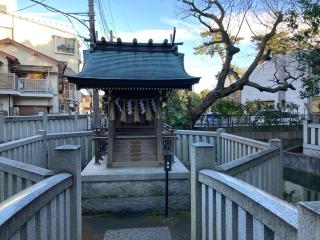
16,176
186,137
48,209
232,147
263,169
228,147
12,128
37,150
34,85
233,209
311,139
226,207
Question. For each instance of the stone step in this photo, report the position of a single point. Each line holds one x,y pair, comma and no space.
156,233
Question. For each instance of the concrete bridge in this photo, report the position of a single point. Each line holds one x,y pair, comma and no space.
236,187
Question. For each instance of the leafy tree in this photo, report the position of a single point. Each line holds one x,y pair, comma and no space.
216,16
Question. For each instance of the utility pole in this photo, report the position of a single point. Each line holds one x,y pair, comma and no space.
95,92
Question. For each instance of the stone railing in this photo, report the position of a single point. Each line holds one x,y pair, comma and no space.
228,147
37,150
263,169
16,176
311,139
29,150
224,207
186,137
13,128
83,139
231,147
50,208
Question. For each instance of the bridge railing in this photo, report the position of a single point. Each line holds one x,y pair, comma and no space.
187,137
231,147
50,208
16,176
228,147
37,150
17,127
225,207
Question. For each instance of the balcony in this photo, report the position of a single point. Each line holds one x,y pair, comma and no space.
34,85
11,84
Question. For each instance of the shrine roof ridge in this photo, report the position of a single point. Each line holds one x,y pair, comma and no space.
135,46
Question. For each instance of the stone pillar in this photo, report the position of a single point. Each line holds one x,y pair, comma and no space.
2,116
44,120
308,220
44,149
278,168
305,131
219,146
66,158
76,125
202,157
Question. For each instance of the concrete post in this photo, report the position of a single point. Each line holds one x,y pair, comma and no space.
44,149
308,220
67,159
44,120
76,123
2,116
202,155
278,169
219,145
305,131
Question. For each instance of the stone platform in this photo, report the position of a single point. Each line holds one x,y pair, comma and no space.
133,189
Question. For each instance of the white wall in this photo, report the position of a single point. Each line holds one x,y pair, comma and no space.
264,75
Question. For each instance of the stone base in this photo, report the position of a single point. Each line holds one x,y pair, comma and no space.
133,189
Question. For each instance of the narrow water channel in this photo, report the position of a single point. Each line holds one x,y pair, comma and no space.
301,186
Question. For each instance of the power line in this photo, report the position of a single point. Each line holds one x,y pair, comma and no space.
21,9
52,9
115,29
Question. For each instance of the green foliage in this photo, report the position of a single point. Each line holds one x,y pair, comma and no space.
306,13
253,107
226,108
177,108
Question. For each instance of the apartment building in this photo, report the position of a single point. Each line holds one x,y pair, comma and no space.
35,53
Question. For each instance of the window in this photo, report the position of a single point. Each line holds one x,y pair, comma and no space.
65,45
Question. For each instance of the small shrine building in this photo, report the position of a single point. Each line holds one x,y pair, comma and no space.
136,78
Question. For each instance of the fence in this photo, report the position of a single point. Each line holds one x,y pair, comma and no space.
16,176
37,150
231,147
224,207
185,138
311,139
228,147
263,169
13,128
267,118
50,208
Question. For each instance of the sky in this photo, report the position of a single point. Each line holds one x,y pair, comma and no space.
144,19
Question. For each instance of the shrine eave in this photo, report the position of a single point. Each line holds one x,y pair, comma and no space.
122,84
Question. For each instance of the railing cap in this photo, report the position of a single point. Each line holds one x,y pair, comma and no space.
202,144
68,147
313,206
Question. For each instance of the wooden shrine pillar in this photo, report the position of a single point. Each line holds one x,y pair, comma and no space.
159,130
111,125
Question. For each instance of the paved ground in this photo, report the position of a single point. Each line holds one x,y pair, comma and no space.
95,226
157,233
